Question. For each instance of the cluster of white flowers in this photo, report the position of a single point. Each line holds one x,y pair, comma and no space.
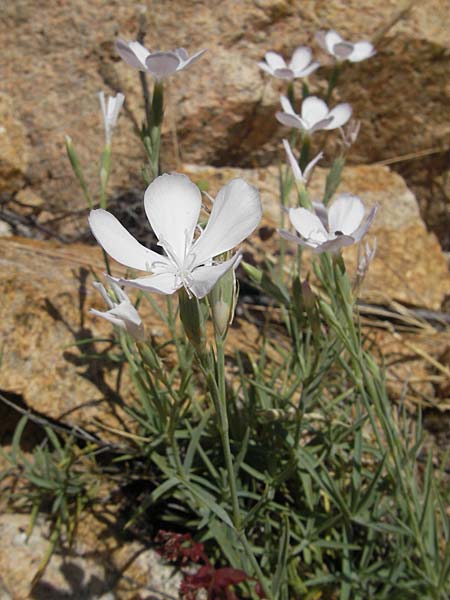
302,64
173,203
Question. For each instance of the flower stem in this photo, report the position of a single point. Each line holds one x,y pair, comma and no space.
221,407
224,430
332,82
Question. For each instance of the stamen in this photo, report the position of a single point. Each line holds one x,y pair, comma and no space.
169,251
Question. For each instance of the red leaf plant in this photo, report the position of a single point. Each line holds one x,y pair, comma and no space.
218,582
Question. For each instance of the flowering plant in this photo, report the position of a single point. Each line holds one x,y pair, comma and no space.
280,464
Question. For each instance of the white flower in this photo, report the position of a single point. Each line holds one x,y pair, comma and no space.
110,113
314,115
121,313
332,43
158,64
297,172
330,229
172,205
300,65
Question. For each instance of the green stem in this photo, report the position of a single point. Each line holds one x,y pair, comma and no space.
304,154
224,431
105,170
332,82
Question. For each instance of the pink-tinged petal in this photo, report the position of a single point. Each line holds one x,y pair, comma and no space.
235,214
119,243
301,58
343,50
290,120
132,53
172,204
162,64
359,233
160,283
314,110
293,161
334,245
341,114
284,73
361,51
275,61
331,39
346,214
308,70
203,279
308,225
188,61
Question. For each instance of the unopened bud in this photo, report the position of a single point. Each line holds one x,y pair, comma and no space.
193,318
309,299
222,300
78,171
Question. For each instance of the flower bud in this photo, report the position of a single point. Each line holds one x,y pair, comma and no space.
192,315
222,300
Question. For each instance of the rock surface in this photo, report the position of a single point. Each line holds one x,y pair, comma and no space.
97,568
14,148
222,108
47,291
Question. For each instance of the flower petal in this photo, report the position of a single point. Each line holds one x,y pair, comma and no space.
108,317
172,204
275,60
293,162
287,235
307,70
203,279
265,67
321,211
313,110
322,124
290,120
343,50
341,114
321,39
161,283
188,61
334,245
359,233
182,53
301,58
236,212
308,225
287,106
345,214
361,51
331,38
119,243
132,53
311,165
284,73
162,64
